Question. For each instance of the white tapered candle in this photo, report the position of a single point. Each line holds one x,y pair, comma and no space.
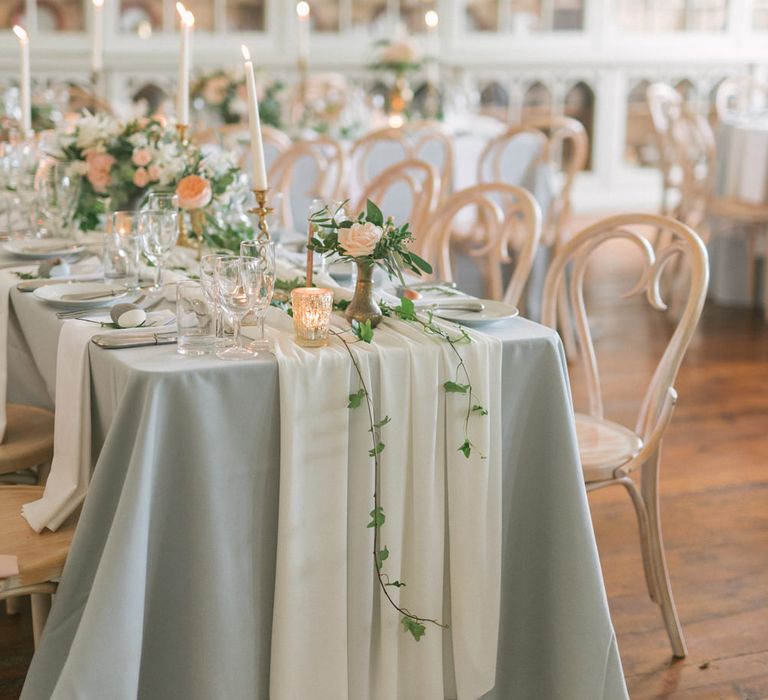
302,12
97,43
25,87
257,145
185,48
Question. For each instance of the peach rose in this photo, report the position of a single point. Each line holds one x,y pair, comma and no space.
359,240
141,157
99,165
194,192
154,172
141,177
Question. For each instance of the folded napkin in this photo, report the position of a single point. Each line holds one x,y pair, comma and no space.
334,633
71,467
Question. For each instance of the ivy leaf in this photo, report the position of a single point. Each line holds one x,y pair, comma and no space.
356,399
406,310
466,448
382,422
363,331
479,410
342,304
376,450
383,556
454,388
373,214
414,627
396,584
377,517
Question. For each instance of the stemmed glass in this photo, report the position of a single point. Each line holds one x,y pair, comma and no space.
158,230
241,289
57,191
166,201
265,253
208,283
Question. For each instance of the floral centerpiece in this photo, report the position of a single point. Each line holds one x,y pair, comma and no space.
120,162
223,93
369,241
398,58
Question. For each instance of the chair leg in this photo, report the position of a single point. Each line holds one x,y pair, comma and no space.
41,606
12,606
566,327
642,524
650,495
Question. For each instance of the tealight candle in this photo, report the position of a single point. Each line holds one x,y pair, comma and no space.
311,315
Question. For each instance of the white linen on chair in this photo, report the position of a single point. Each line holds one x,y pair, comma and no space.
334,634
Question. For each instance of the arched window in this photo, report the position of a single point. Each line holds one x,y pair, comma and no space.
494,101
580,105
537,102
640,149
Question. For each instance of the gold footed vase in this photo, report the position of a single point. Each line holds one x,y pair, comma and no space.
400,96
363,306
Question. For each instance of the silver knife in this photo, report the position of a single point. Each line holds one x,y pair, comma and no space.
115,341
455,304
92,296
32,285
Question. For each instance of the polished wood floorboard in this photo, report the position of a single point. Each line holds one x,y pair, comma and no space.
714,503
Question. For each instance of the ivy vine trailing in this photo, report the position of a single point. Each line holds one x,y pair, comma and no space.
406,311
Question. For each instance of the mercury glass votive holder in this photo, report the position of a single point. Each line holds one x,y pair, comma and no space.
311,315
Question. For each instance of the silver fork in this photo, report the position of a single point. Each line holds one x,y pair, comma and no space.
87,312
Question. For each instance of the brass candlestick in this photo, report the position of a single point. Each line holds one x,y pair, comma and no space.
181,132
95,90
262,211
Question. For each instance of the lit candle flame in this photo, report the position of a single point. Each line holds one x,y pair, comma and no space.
187,18
21,33
98,3
431,18
246,52
302,9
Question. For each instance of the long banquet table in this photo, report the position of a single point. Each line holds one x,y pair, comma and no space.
169,586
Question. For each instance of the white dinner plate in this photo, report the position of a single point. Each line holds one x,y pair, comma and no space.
40,248
493,311
53,294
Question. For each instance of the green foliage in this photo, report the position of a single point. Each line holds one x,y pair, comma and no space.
413,626
378,449
479,410
455,388
377,517
363,331
356,399
466,448
382,556
396,584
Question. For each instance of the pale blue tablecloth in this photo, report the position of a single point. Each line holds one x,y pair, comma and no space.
168,589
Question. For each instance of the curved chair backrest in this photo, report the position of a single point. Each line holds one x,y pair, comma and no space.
504,218
740,95
543,155
431,142
307,170
684,242
420,184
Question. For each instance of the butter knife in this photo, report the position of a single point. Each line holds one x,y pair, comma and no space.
32,285
92,296
454,304
115,341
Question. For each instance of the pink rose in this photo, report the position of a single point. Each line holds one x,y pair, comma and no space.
99,165
359,240
141,157
154,172
194,192
141,178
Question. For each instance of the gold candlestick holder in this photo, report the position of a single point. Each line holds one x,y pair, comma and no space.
95,90
262,211
181,132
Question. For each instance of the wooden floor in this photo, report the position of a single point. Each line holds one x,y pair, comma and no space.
714,504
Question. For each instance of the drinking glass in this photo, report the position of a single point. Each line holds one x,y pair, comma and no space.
208,282
57,191
194,319
265,253
240,287
158,230
157,199
120,251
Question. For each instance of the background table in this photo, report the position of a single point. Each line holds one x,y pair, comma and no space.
169,585
742,174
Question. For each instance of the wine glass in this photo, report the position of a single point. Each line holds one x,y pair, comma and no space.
57,191
158,230
265,253
208,283
240,286
157,199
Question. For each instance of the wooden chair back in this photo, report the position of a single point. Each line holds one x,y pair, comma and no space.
429,141
307,170
658,402
740,95
420,184
506,218
558,143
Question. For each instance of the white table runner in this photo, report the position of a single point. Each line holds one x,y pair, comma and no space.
334,634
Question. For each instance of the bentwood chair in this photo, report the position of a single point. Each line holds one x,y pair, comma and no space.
611,452
740,95
236,139
557,144
408,191
429,141
307,170
506,228
31,563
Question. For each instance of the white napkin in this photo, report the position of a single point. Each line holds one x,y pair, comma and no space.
71,467
334,634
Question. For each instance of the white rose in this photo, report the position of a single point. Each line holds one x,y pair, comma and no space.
359,240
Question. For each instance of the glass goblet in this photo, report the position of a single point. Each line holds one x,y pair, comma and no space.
265,253
240,288
208,283
158,230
